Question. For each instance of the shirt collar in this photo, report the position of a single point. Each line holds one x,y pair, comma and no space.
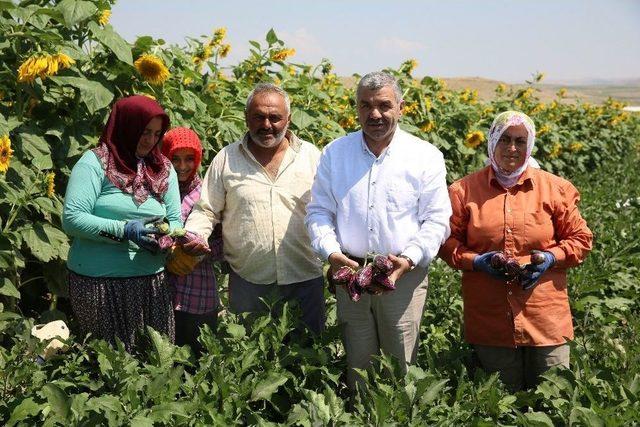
526,177
387,151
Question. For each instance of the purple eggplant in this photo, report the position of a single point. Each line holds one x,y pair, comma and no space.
383,264
365,275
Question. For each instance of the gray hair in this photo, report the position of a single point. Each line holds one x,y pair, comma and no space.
378,80
261,88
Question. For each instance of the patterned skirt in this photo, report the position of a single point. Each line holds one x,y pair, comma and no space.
110,307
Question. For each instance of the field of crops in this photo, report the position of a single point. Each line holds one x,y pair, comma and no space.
63,65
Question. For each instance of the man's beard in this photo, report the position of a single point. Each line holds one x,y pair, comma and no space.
278,138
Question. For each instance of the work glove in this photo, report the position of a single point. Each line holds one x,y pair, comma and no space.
136,231
482,263
180,263
531,273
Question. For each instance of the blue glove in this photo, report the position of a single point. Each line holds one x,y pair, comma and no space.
531,273
136,231
482,262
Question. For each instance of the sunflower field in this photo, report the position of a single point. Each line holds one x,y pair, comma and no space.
62,67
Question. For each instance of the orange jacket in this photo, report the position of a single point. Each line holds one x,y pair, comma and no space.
539,212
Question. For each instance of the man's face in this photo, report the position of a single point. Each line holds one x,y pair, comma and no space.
267,119
378,113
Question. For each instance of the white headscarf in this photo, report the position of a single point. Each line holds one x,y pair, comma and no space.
501,123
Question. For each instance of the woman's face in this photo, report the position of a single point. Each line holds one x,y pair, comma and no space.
184,161
511,150
149,137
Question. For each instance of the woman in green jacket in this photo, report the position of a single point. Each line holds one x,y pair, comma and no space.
115,194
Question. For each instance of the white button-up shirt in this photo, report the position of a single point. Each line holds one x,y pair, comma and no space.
397,203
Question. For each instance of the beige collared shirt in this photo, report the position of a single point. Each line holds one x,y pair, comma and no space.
265,239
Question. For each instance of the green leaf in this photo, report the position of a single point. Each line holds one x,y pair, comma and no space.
271,37
93,94
301,119
432,392
162,349
9,289
27,408
46,242
113,41
236,331
35,146
537,419
266,387
76,11
58,400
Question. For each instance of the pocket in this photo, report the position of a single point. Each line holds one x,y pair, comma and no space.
401,199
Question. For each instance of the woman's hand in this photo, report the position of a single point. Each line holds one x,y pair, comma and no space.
136,231
531,273
482,263
180,263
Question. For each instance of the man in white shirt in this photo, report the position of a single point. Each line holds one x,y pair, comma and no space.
380,190
258,188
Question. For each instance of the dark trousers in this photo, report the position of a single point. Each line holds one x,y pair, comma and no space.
188,328
244,297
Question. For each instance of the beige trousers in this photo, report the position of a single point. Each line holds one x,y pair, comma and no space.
520,368
389,322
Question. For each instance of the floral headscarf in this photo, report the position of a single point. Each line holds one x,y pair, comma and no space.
144,177
501,123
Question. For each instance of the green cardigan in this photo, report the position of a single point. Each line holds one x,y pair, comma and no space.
94,207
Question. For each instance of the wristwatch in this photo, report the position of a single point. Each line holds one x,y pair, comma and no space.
411,264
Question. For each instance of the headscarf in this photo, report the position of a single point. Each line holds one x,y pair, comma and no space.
182,137
501,123
140,177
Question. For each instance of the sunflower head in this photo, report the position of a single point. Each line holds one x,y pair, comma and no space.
152,69
49,180
282,54
224,50
474,139
5,153
103,18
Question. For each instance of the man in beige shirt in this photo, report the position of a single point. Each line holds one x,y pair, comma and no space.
258,188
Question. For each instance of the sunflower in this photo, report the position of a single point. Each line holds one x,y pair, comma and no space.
103,19
282,54
474,139
224,50
218,35
427,127
43,66
576,146
5,153
49,180
556,150
152,69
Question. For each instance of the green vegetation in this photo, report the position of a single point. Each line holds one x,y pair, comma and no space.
63,65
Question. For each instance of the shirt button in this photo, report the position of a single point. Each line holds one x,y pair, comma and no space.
508,230
370,229
509,210
510,293
373,183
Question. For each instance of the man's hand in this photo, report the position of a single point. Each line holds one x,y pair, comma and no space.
194,244
338,259
400,266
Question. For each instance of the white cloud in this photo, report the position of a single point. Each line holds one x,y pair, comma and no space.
397,44
304,42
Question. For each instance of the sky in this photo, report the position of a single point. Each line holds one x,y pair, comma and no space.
571,41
